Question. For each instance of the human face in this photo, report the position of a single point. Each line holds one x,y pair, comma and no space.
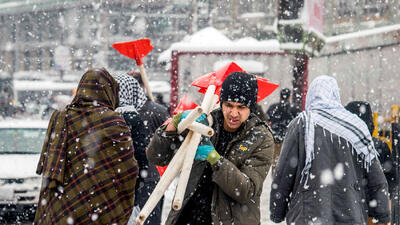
234,115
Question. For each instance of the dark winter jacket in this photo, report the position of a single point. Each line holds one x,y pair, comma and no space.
339,190
279,115
239,175
363,110
385,158
153,115
138,134
143,124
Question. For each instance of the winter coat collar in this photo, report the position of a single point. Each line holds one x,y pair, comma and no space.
252,121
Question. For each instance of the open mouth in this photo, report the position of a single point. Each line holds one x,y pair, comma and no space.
234,121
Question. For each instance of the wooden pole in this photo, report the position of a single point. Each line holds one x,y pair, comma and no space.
191,152
170,173
190,118
201,129
187,167
146,82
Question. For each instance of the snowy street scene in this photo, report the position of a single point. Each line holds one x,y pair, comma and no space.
199,112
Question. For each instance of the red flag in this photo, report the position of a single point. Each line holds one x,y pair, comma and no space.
134,49
184,104
216,78
265,88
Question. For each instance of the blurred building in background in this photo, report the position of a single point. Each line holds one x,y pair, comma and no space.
35,32
60,39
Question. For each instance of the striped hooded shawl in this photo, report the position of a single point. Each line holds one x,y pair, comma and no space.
131,95
87,162
323,107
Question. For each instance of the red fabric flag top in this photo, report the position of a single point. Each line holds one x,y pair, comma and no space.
134,49
217,77
265,88
184,104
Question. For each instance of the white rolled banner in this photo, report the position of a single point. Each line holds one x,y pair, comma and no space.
202,129
207,105
166,179
190,118
187,167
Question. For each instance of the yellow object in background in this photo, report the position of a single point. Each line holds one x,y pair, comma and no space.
375,117
394,114
394,118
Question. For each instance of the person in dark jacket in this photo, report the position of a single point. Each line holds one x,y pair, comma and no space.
144,116
328,172
153,113
363,110
227,176
87,161
279,116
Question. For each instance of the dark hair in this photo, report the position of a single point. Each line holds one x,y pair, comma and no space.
285,93
137,76
139,79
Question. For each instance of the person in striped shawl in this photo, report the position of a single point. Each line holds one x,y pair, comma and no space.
87,162
328,172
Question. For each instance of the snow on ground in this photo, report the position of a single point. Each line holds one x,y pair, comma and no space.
265,202
169,194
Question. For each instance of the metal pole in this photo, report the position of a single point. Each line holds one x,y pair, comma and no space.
174,82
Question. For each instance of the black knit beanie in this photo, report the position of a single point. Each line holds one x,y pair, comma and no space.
364,111
285,93
240,87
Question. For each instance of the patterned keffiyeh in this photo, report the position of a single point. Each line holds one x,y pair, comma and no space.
130,93
323,107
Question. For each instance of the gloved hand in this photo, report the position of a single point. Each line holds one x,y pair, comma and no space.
182,115
206,151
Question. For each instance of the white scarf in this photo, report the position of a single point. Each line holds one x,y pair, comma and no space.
323,107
